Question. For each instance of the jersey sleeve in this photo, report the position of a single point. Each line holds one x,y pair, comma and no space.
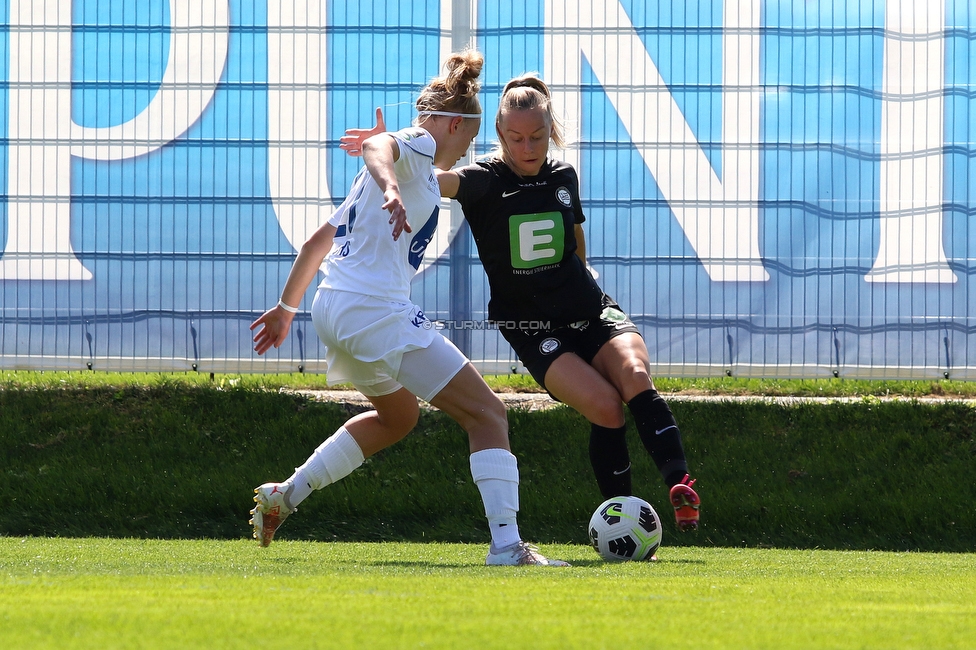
474,181
417,150
578,215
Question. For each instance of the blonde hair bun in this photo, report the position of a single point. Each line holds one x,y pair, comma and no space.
457,90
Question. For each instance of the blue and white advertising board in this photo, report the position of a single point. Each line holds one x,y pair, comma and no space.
772,188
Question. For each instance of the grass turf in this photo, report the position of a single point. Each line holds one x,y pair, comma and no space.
100,461
93,592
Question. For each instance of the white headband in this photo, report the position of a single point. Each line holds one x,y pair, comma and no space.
449,114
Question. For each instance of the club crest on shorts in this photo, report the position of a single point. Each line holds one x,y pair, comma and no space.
564,197
549,346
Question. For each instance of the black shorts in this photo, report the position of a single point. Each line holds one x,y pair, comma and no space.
537,349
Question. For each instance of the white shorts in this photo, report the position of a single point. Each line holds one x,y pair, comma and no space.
380,346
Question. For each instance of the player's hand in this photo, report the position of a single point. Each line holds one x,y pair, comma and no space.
398,214
274,325
352,141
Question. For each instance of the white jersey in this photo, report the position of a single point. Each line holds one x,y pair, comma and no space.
365,258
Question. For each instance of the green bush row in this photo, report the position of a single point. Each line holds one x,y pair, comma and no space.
176,461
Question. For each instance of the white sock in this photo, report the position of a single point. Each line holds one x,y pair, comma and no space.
495,472
334,459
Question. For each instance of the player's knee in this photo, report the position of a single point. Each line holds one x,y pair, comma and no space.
410,419
488,415
635,377
494,414
603,406
607,412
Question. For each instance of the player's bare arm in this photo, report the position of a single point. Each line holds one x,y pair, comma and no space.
380,152
275,323
449,181
352,143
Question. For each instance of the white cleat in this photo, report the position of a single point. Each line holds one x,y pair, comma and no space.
270,511
521,554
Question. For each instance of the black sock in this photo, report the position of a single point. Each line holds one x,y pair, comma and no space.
610,460
659,432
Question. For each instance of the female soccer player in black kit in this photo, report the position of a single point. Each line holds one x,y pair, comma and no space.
525,215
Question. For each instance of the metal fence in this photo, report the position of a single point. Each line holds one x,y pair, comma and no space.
772,188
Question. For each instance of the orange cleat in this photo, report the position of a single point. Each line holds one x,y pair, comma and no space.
686,504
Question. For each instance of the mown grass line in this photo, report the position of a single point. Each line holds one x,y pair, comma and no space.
825,387
112,593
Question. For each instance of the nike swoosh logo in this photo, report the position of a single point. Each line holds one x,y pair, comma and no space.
623,471
660,431
505,195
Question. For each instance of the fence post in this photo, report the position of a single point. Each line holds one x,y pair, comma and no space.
464,23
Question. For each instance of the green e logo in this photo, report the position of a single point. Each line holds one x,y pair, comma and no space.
536,239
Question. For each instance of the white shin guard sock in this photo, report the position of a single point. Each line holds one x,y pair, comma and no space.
495,472
334,459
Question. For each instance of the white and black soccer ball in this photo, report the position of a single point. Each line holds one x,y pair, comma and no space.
625,528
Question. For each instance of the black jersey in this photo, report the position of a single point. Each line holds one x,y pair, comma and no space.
524,229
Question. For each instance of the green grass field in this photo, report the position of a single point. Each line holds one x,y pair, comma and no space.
126,499
92,592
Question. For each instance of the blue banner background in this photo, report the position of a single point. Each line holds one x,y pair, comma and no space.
185,248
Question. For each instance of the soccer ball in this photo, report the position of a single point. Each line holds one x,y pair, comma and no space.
625,528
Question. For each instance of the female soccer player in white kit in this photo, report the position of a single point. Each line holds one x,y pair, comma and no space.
378,340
